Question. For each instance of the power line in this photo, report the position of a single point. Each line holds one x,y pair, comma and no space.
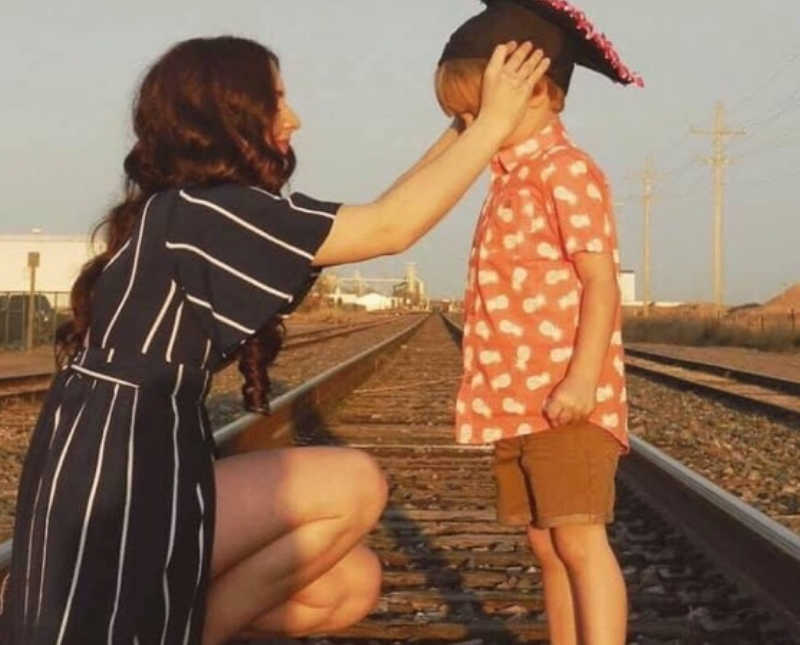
784,108
718,161
767,82
648,177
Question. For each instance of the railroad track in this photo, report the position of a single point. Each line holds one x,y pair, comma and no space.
315,336
32,385
752,388
35,384
453,574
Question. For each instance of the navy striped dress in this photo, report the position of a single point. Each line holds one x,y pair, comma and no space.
115,514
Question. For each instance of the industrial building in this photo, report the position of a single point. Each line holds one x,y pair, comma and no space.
60,258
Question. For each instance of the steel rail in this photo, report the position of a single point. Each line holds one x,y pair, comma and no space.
253,431
755,550
787,386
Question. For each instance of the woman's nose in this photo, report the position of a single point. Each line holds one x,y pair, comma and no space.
292,119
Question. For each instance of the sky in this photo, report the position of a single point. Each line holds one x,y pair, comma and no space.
359,72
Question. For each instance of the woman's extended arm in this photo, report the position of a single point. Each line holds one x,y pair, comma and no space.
409,210
447,139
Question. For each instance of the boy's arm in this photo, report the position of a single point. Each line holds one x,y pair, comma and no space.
574,398
582,202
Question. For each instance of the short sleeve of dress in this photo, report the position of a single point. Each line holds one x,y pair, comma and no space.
581,199
243,255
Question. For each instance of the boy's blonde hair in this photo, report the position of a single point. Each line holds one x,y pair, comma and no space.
459,81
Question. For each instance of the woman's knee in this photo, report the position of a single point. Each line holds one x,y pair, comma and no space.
368,487
365,577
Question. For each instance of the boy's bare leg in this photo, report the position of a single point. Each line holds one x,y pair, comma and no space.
557,591
598,588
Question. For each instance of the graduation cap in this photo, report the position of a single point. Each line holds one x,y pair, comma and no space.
562,31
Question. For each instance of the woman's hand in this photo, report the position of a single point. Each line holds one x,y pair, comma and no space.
420,199
508,84
574,399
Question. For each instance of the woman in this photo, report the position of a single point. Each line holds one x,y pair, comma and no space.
127,531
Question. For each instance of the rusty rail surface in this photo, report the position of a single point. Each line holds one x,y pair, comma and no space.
760,553
754,389
252,431
451,573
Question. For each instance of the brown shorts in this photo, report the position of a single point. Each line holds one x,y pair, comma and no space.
557,477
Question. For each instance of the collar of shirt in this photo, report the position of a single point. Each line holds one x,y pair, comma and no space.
551,135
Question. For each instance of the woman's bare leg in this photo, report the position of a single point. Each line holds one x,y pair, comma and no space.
284,519
340,598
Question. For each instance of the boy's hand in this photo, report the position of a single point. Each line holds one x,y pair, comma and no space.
508,83
572,400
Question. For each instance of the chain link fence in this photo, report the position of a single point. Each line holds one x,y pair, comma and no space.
30,320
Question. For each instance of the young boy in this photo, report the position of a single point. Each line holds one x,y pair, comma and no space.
543,358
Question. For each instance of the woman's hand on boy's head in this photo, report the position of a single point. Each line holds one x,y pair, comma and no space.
508,84
572,400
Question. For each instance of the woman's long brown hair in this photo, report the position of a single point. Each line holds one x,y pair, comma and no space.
204,115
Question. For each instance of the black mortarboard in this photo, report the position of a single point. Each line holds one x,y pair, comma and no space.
559,29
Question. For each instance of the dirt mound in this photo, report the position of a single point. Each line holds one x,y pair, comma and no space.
785,302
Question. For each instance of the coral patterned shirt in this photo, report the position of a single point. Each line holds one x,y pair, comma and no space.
547,201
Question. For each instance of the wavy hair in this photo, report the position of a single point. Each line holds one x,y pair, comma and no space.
203,115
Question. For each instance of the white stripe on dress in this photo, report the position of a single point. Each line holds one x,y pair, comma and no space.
103,377
308,210
206,378
3,593
176,325
246,225
229,269
207,352
220,317
175,474
56,422
126,521
111,355
159,318
200,558
133,273
288,200
86,517
51,496
121,250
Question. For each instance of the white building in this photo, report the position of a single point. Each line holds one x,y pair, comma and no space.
60,260
377,302
370,301
627,286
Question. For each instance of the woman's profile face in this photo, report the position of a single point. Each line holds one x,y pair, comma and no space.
286,119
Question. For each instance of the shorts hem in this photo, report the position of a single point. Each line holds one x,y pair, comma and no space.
514,521
571,520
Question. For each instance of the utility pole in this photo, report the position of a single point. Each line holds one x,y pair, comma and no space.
33,264
648,178
718,161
